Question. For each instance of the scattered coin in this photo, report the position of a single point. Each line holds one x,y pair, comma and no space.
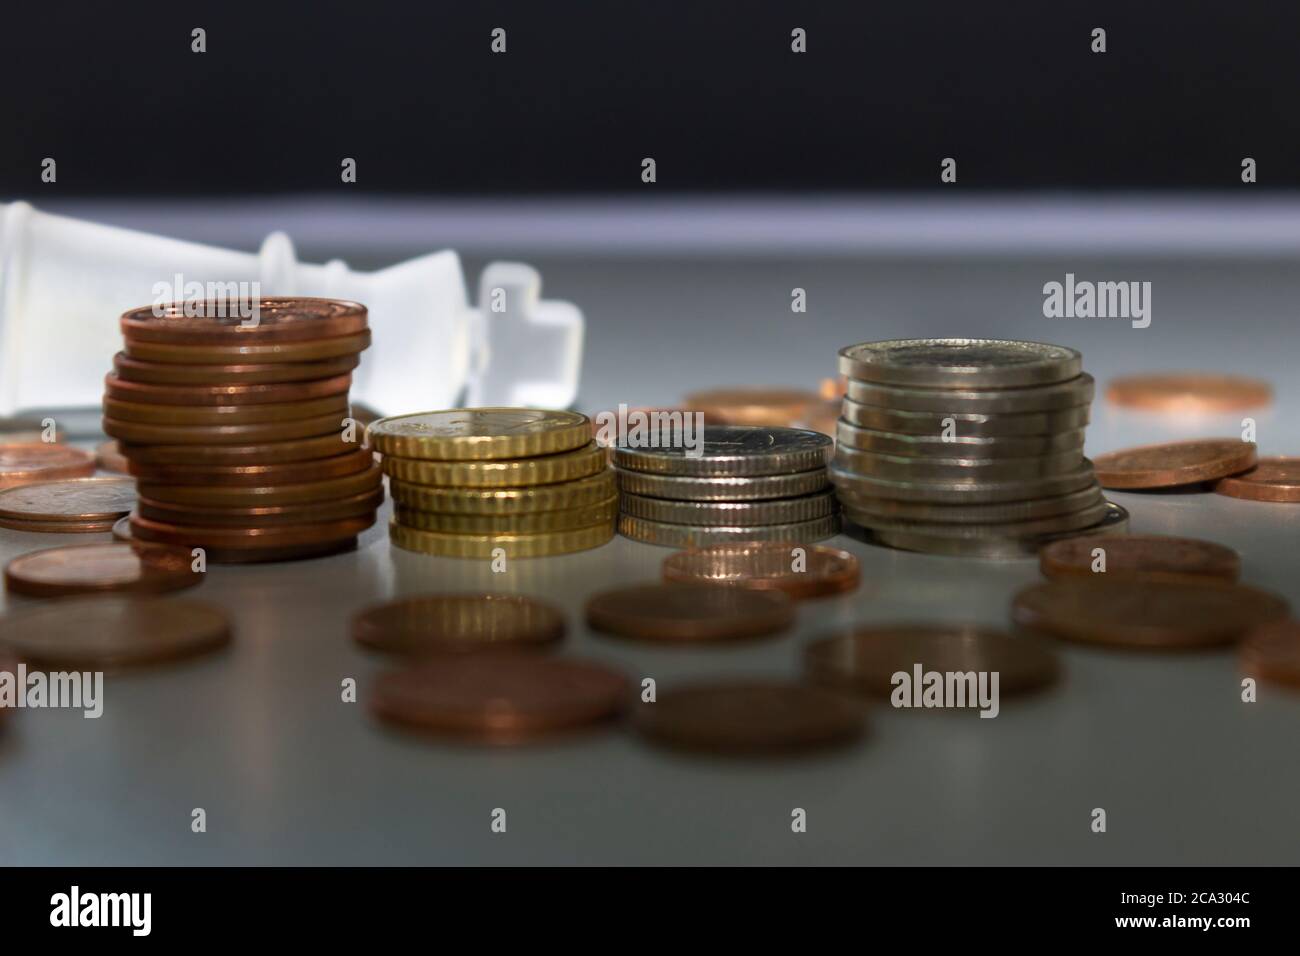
1272,479
450,545
734,451
499,698
1146,613
284,473
1189,392
991,513
801,571
456,623
952,401
965,424
723,488
580,493
205,415
936,539
109,457
565,519
541,470
219,323
90,501
130,369
773,407
276,431
750,717
1140,556
1174,463
689,613
703,536
478,434
960,363
264,453
252,496
277,393
936,446
42,461
314,350
1272,653
98,568
731,513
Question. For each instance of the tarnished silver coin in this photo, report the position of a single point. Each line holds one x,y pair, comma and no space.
731,513
968,469
953,401
1114,522
962,491
735,450
1083,518
960,363
992,513
703,536
966,424
957,446
755,488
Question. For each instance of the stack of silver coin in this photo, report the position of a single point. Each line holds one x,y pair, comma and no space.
741,483
967,446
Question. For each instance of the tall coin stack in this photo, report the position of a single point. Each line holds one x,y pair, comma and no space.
469,481
968,446
747,483
234,426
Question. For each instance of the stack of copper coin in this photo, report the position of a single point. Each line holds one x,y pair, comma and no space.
478,482
238,430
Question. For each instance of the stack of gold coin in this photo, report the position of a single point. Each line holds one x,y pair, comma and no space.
737,483
237,427
475,482
968,446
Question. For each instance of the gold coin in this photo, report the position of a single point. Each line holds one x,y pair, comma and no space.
514,545
480,434
564,495
142,434
567,519
517,472
258,354
224,414
252,496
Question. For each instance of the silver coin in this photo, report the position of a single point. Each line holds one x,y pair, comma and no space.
1072,521
703,536
1042,398
1115,522
732,513
960,363
884,508
971,424
963,491
757,488
935,446
968,469
734,450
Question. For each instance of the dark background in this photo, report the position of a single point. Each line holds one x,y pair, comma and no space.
586,90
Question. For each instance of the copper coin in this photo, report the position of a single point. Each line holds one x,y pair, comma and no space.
867,657
800,570
205,415
255,353
109,457
456,623
141,433
689,613
265,453
130,369
1174,463
121,389
1272,479
109,632
216,322
1140,556
57,527
1272,653
499,698
1190,392
122,532
250,539
750,717
251,496
261,516
73,500
1146,613
778,407
288,473
95,568
27,462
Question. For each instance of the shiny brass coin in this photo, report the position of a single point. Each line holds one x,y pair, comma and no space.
518,472
801,571
867,657
961,490
936,541
25,462
514,545
966,424
1140,556
314,350
130,369
733,451
731,513
250,539
780,407
72,499
286,473
1174,463
1145,613
215,322
703,536
1083,518
480,434
1189,392
140,433
935,446
353,506
123,390
992,513
253,496
1272,653
569,519
458,623
500,698
335,406
955,401
110,632
722,488
689,613
1272,479
960,363
957,469
109,457
99,568
561,496
265,453
750,717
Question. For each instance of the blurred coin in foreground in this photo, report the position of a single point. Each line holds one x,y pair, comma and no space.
689,613
457,623
1139,556
1272,653
801,571
1189,392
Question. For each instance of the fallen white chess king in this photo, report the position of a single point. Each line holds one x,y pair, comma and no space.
64,282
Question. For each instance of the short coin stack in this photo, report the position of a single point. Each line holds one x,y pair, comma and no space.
237,428
740,483
469,481
968,446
